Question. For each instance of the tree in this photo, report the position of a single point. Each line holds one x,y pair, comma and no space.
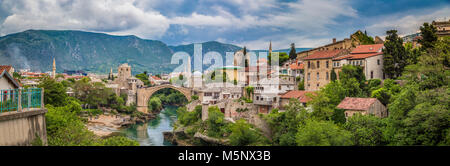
394,55
301,85
215,122
428,33
284,125
279,57
367,130
333,75
54,92
322,133
293,53
144,78
119,141
242,134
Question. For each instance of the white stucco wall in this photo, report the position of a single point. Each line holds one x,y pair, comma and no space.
372,65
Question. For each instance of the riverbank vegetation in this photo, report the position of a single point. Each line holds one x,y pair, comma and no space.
216,127
65,126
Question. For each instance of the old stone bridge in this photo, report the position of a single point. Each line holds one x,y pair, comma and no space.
144,94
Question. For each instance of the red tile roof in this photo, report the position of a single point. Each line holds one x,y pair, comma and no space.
5,67
298,94
296,66
323,54
357,56
156,78
370,48
353,103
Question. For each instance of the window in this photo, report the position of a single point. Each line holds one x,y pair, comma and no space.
327,76
309,64
317,84
378,61
318,64
327,64
309,76
338,64
317,75
371,74
309,85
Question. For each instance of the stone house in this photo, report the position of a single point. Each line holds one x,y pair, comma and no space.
300,95
213,93
267,93
318,67
369,57
364,106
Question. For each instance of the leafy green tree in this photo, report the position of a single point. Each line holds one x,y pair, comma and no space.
322,133
431,71
428,33
119,141
301,85
382,94
292,53
284,125
155,104
367,130
394,55
54,92
188,118
215,122
242,134
144,78
282,57
333,75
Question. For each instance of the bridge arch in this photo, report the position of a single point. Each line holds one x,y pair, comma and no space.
144,94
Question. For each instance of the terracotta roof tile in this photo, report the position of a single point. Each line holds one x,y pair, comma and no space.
353,103
323,54
298,94
370,48
296,65
5,67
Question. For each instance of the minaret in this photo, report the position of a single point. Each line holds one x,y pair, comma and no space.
111,77
270,47
54,69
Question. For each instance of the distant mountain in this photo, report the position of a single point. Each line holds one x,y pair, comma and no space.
93,52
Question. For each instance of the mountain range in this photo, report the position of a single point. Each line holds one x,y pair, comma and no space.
95,52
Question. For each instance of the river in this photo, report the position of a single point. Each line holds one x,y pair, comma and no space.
150,133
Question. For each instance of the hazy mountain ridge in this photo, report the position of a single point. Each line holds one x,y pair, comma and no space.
93,52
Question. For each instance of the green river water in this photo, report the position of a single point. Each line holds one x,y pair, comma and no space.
150,133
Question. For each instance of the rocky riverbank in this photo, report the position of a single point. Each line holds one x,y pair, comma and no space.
107,124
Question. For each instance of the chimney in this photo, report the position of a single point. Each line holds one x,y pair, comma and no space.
334,40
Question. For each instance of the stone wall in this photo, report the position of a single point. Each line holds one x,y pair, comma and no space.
22,128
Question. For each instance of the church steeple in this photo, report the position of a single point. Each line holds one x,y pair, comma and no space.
54,69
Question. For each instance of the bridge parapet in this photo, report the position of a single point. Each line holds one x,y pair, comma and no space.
144,94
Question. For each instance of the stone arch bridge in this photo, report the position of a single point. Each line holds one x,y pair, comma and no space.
144,94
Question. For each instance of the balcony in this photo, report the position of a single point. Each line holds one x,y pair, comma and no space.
263,102
18,100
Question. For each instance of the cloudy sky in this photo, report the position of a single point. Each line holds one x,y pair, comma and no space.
307,23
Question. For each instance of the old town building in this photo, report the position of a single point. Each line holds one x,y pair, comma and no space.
364,106
442,27
300,95
369,57
318,67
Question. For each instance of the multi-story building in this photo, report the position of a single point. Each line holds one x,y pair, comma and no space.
369,57
267,93
347,43
442,27
318,67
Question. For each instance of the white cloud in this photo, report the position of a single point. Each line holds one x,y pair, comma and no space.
406,24
114,17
